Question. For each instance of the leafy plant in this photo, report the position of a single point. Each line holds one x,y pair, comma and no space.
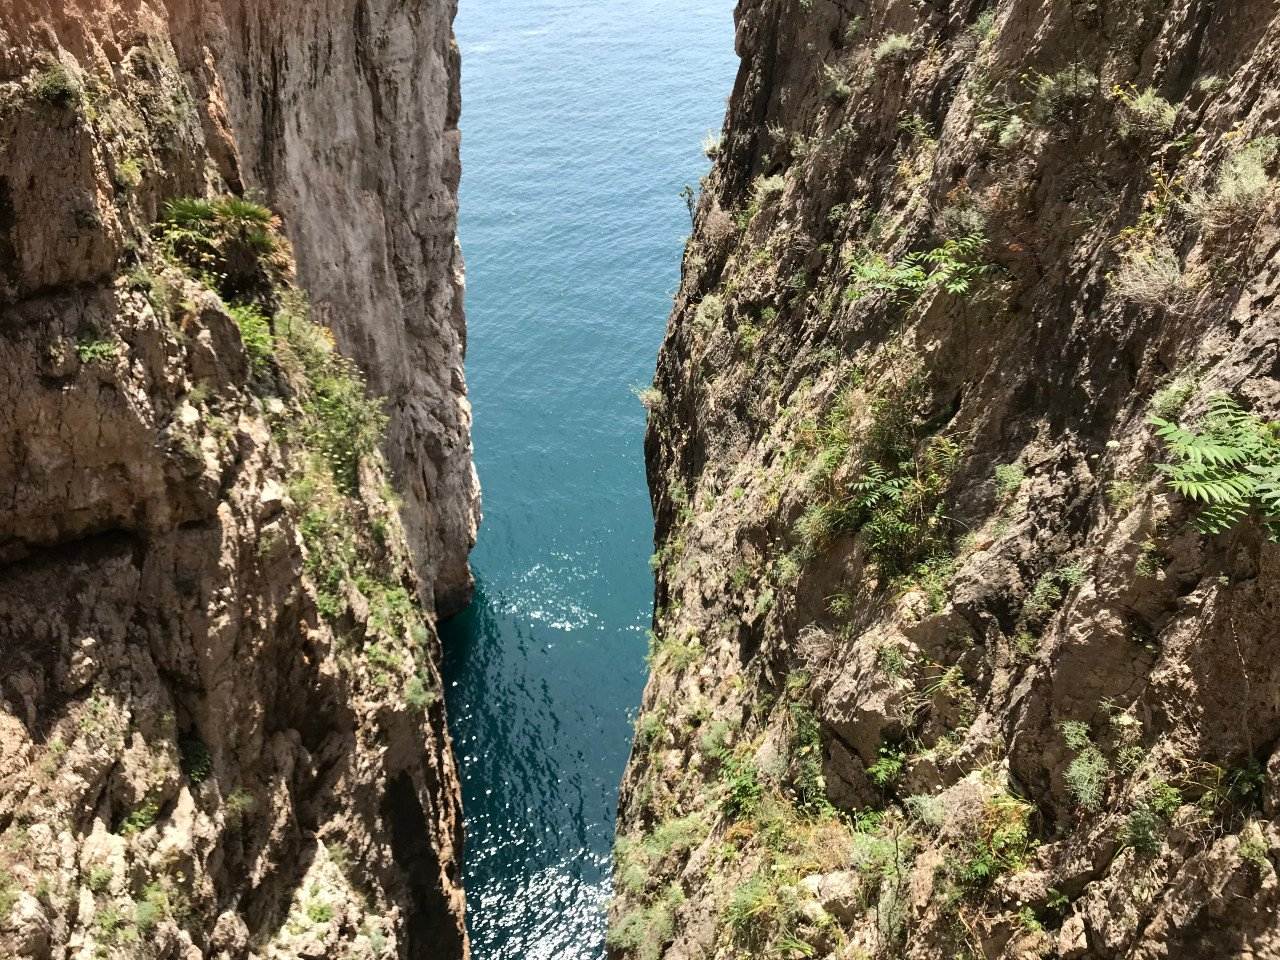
232,244
239,804
1087,773
808,784
1009,477
893,47
1150,274
1061,93
742,786
896,497
1145,111
646,930
140,819
953,267
888,767
1229,464
151,909
1241,186
196,761
255,333
56,86
1050,590
1169,400
710,312
417,695
94,350
1002,842
1141,829
8,895
319,912
343,423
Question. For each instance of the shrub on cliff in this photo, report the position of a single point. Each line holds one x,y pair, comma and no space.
56,87
895,46
232,244
1061,93
1151,274
1241,187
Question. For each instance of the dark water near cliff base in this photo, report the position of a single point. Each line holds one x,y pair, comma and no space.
582,121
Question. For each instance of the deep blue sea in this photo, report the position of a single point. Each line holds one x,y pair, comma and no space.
581,122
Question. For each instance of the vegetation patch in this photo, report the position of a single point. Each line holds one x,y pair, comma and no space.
1229,464
886,482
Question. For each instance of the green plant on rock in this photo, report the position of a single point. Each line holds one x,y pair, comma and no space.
954,267
196,761
710,312
896,46
232,244
418,695
809,787
152,909
1086,775
714,739
893,495
112,927
1150,274
255,333
1229,464
8,895
342,423
1141,830
888,766
140,819
319,912
1241,187
646,930
1145,112
743,790
1172,397
899,507
55,86
1061,94
933,578
1051,589
239,804
95,350
1009,477
1000,843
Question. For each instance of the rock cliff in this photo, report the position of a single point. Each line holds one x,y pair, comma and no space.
223,543
962,464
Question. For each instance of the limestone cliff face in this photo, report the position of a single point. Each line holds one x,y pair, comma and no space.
944,664
221,723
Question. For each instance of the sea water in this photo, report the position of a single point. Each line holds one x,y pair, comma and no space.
581,123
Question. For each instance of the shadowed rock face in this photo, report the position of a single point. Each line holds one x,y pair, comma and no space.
943,666
221,722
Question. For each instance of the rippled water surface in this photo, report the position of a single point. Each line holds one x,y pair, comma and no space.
581,122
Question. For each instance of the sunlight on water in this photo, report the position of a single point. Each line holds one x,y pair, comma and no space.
581,123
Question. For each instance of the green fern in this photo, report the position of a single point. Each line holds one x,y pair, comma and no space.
1230,465
955,267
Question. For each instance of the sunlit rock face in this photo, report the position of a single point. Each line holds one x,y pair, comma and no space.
221,724
948,658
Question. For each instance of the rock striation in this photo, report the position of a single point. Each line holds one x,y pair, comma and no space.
960,456
222,554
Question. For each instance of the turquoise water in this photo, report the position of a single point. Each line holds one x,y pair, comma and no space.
581,123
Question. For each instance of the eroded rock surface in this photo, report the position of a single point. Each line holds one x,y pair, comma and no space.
943,666
221,725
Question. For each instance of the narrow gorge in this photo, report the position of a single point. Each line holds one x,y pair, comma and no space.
962,465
